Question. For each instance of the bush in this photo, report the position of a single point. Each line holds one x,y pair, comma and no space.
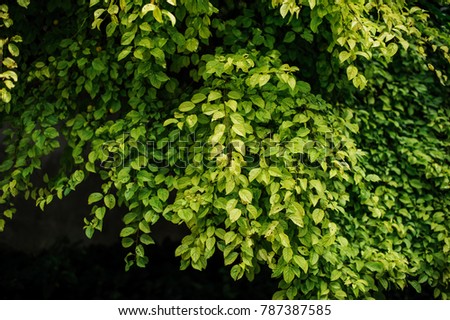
309,137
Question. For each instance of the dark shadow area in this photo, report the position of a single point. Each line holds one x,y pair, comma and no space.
97,272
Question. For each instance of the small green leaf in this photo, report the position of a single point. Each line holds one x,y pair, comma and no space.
100,213
287,254
318,215
375,266
239,129
236,272
263,79
284,239
13,49
89,232
125,52
25,3
214,95
391,49
163,194
186,214
127,231
198,97
352,71
246,196
288,274
235,214
253,174
146,239
235,95
98,65
191,120
186,106
157,14
344,55
127,242
110,201
144,226
372,178
301,262
303,132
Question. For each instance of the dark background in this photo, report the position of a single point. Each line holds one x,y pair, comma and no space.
47,256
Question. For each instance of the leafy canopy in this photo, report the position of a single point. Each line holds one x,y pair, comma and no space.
307,137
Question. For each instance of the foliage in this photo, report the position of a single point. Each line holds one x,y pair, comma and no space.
308,137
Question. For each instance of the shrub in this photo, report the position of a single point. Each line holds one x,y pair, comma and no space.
307,137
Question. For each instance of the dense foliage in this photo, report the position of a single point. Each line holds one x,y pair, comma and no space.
308,137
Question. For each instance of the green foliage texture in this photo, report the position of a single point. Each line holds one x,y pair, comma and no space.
310,137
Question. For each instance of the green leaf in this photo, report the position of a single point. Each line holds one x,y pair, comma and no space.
318,215
284,239
246,196
198,97
219,131
140,251
98,65
253,174
127,242
163,194
186,214
263,79
214,95
124,175
25,3
303,132
236,272
146,239
303,86
239,129
316,184
100,213
391,49
235,214
288,274
157,14
51,133
301,262
343,56
110,201
289,37
352,71
144,226
156,204
129,217
94,197
127,38
124,53
13,49
192,44
235,95
191,120
375,266
186,106
315,23
335,275
372,178
237,118
287,254
89,232
127,231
